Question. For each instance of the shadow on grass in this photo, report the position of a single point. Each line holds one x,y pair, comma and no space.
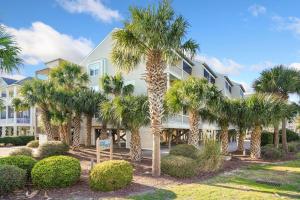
155,195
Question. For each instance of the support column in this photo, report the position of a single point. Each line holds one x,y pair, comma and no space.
15,130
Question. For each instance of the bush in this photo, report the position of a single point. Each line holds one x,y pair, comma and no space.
56,172
267,138
210,158
17,141
33,144
294,146
185,150
178,166
23,162
25,151
11,178
290,136
52,148
111,175
269,152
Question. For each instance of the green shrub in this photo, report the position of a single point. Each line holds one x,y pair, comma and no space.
21,161
56,172
269,152
111,175
210,159
178,166
267,138
298,155
25,151
52,148
294,146
185,150
17,141
290,136
11,178
33,144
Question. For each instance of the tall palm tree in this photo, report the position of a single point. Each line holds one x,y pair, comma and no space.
9,52
132,113
260,109
281,81
67,78
38,93
240,118
153,35
193,94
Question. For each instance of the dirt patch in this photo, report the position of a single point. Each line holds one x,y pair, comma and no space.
142,181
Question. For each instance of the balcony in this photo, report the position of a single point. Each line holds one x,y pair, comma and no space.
23,120
177,121
180,71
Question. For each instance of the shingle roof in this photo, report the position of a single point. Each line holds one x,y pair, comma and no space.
9,81
20,82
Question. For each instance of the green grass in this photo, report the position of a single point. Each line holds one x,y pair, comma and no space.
240,184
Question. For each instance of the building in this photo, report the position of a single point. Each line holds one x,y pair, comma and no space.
14,123
97,63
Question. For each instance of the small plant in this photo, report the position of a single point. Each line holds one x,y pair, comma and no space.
269,152
25,151
21,161
33,144
111,175
52,148
185,150
56,172
178,166
11,178
210,158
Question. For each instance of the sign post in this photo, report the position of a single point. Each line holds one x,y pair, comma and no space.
103,145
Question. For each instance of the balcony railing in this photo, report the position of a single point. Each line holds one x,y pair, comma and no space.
177,121
23,120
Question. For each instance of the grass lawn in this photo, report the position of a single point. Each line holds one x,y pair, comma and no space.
241,184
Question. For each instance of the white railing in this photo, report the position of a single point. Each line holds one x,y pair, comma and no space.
10,120
23,120
2,121
177,121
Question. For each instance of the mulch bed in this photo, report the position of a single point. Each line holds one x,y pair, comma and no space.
142,181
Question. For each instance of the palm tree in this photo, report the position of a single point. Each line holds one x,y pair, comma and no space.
281,81
192,94
132,113
38,93
114,86
90,104
67,78
153,35
240,117
9,52
260,109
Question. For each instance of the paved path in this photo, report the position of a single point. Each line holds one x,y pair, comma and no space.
4,151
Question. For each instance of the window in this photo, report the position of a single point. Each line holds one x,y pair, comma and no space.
94,69
97,68
212,80
206,74
187,68
3,113
228,87
10,112
209,77
3,94
242,93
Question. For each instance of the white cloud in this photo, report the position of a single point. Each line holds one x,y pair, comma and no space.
256,10
94,8
224,66
291,24
261,66
13,76
295,65
41,43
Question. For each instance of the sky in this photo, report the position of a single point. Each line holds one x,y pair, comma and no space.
239,38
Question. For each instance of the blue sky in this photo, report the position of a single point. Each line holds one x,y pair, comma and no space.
237,37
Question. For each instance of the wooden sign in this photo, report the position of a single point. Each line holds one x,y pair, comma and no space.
103,145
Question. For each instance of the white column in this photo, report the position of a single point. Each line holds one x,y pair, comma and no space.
15,92
15,130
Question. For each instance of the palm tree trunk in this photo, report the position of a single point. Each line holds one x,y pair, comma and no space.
240,147
255,142
276,136
284,140
194,129
135,146
88,130
64,135
76,135
224,140
47,124
156,87
104,134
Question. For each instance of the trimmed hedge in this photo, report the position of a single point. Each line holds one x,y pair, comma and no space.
56,172
111,175
269,152
185,150
25,151
21,161
52,148
210,159
17,141
178,166
11,178
33,144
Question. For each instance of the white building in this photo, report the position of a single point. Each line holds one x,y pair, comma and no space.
14,123
97,63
